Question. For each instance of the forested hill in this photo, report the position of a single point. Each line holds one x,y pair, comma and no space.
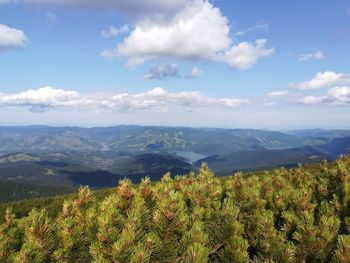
285,215
13,191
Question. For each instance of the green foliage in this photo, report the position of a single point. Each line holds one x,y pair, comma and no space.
10,237
342,253
39,238
75,228
295,215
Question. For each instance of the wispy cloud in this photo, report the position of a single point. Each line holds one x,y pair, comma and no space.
318,55
11,38
261,26
311,100
195,73
113,31
278,93
162,71
157,99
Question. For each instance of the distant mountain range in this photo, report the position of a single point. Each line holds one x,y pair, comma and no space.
67,156
146,139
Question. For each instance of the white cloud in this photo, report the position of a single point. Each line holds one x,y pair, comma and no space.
337,96
244,55
318,55
186,29
278,93
340,94
157,99
113,31
11,38
46,97
312,100
189,34
195,73
322,80
197,32
162,71
261,26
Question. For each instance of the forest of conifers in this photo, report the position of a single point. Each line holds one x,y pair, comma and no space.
285,215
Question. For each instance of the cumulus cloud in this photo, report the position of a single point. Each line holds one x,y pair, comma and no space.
113,31
46,97
11,38
278,93
195,73
322,80
197,32
337,96
189,35
340,94
157,99
186,29
318,55
244,55
162,71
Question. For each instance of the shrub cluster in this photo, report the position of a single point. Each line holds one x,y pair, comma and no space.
286,215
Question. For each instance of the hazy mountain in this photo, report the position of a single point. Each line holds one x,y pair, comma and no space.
320,133
146,139
68,156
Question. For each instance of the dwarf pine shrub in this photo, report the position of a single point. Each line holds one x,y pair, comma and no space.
284,215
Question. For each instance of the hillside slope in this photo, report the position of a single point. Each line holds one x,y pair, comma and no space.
263,159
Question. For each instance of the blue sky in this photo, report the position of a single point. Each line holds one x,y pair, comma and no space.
256,64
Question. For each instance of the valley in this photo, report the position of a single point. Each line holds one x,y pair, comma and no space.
67,157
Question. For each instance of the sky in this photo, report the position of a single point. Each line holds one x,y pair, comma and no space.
261,64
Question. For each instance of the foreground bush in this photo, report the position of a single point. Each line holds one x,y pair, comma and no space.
294,215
